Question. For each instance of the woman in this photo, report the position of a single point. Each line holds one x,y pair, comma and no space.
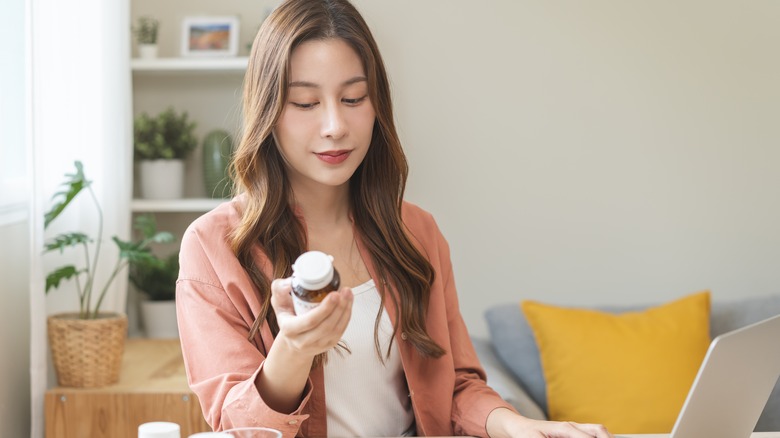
320,166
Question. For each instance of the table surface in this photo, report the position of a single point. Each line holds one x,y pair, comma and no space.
666,435
148,366
152,387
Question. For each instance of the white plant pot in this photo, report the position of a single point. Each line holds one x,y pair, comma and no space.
159,319
147,51
162,179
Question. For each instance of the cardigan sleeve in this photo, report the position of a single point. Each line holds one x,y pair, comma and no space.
473,400
221,364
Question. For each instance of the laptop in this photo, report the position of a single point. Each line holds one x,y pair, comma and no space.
733,384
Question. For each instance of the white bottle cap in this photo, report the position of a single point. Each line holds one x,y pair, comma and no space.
159,429
313,270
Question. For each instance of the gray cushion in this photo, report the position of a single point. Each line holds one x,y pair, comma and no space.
502,382
516,348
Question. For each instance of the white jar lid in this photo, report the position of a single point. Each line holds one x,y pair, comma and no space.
159,429
313,270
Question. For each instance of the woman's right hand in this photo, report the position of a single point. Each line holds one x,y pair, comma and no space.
282,379
319,329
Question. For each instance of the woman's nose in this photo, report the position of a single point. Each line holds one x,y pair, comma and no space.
334,125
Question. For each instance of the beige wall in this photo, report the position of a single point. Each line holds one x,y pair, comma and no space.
589,152
592,152
15,331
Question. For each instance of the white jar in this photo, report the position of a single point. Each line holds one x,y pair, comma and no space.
159,429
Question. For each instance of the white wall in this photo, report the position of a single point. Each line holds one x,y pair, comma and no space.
15,331
592,152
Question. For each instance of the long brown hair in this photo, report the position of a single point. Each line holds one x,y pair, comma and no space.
376,187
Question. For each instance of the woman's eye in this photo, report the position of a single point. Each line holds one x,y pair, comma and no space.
354,101
304,105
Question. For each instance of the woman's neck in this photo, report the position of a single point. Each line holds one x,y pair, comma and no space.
325,207
329,229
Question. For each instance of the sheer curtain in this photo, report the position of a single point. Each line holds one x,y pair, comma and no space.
14,223
13,169
80,110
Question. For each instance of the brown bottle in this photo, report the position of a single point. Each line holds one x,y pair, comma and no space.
313,278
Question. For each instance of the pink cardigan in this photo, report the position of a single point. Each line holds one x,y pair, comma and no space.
216,303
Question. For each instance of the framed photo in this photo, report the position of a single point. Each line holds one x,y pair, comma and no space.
209,36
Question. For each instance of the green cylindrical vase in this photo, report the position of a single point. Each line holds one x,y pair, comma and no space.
217,149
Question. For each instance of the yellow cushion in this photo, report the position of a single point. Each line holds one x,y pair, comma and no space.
630,371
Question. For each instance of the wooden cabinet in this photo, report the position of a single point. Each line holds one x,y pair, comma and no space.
152,387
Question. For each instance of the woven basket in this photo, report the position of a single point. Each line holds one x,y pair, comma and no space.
87,353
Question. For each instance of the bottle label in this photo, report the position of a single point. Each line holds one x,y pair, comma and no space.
301,306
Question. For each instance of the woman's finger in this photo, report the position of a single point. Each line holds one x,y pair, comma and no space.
318,329
281,300
594,430
340,317
337,310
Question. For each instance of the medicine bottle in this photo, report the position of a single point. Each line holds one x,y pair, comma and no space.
313,278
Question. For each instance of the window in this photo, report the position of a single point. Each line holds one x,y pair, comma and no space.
14,189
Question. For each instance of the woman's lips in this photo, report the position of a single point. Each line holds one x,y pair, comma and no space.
333,157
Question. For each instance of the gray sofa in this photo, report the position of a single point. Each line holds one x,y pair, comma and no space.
511,359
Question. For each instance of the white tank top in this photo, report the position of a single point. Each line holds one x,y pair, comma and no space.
365,397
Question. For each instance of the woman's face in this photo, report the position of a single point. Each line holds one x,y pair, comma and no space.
325,127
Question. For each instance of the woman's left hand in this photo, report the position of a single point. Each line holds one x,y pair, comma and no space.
505,423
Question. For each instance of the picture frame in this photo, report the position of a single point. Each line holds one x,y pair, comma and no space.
209,36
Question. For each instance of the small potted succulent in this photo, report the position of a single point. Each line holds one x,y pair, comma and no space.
145,32
160,145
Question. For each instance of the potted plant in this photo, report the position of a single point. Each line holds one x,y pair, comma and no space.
155,278
161,144
87,345
146,35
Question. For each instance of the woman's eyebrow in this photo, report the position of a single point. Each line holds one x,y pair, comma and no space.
308,84
355,80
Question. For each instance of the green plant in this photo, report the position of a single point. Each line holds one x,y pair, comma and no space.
158,282
84,276
168,136
146,30
155,277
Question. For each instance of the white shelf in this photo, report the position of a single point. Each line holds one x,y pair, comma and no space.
175,205
233,64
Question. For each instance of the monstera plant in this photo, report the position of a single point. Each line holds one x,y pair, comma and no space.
83,271
87,345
